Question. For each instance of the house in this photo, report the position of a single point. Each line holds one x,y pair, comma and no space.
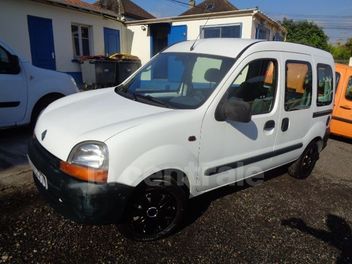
53,34
209,19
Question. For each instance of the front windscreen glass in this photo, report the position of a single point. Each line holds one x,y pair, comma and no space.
177,80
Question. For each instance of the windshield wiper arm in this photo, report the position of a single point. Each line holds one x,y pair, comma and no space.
151,99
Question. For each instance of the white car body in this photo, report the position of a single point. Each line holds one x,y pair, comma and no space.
145,138
21,92
139,139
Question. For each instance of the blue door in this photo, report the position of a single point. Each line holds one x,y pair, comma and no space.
42,42
177,34
112,41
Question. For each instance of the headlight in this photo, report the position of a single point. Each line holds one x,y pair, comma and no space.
88,161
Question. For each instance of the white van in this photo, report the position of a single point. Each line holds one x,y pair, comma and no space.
198,116
26,90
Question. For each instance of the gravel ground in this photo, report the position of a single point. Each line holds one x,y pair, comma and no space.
280,220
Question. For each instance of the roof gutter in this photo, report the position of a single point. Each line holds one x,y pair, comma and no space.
224,14
100,12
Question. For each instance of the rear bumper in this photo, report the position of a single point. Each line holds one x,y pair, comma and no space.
83,202
326,137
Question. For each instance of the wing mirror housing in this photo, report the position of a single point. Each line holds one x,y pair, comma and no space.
234,109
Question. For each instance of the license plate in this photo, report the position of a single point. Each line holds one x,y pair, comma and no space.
40,176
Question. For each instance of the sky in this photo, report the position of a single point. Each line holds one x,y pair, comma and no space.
334,16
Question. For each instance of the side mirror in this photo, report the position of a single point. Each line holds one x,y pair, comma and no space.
14,64
234,109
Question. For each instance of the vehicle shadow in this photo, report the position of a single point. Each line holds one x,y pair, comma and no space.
199,205
338,236
13,147
341,139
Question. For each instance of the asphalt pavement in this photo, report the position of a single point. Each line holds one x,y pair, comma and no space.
280,220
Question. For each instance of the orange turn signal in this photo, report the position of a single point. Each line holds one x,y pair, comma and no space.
84,173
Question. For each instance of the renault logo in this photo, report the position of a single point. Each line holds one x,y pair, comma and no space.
44,134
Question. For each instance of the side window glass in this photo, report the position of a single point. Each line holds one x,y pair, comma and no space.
338,77
7,63
325,85
256,84
349,90
4,61
298,93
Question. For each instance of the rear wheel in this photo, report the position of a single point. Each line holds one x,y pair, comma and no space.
304,166
154,211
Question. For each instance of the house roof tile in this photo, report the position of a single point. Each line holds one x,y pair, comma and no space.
210,6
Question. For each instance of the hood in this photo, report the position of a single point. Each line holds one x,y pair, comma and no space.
95,115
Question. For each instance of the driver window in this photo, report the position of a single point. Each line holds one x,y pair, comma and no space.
256,84
6,67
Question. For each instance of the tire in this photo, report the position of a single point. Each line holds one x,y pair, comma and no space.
304,166
154,211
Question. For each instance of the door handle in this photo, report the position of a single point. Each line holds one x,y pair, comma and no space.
269,125
53,55
345,107
285,124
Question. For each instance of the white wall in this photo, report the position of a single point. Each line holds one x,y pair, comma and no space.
14,29
193,27
140,40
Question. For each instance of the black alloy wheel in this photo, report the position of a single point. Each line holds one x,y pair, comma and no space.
154,211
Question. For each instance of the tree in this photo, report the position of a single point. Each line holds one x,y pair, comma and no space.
305,32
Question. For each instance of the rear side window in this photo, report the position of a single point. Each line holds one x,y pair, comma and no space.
256,84
325,85
349,90
298,94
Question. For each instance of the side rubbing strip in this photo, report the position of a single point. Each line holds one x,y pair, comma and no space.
241,163
322,113
9,104
348,121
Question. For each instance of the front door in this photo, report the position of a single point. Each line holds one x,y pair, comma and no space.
112,41
342,118
42,42
231,151
13,91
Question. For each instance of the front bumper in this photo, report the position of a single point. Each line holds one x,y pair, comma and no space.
83,202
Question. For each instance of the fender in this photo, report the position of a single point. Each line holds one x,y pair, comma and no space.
155,160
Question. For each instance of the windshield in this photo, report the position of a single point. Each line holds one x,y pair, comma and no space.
177,80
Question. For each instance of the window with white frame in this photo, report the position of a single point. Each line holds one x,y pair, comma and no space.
222,31
81,37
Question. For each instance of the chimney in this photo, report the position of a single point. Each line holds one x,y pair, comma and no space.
191,4
350,64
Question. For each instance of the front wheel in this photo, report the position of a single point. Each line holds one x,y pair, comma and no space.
154,211
304,166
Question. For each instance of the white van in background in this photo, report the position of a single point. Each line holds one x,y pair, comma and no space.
26,90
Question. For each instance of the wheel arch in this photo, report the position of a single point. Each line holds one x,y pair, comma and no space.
42,101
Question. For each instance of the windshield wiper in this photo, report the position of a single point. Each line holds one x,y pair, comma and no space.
140,97
151,99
